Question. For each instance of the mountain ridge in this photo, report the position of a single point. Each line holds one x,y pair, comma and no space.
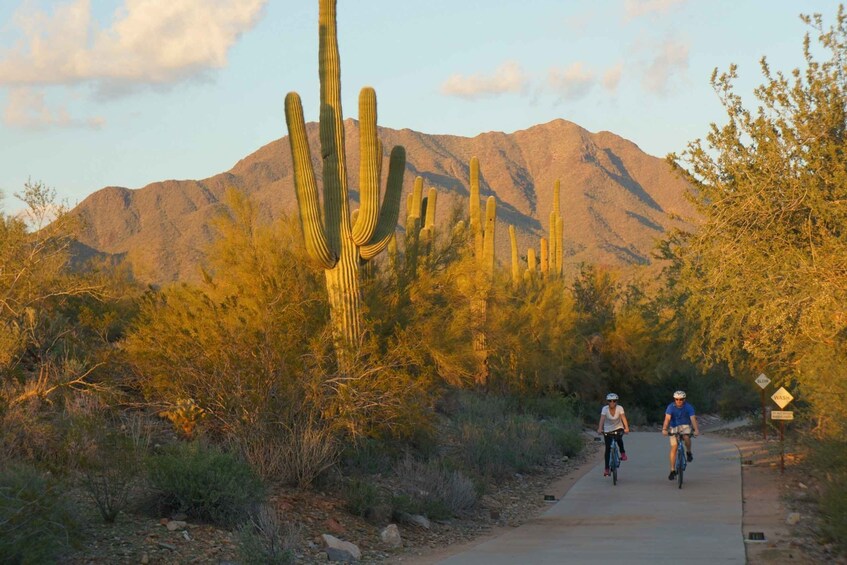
616,199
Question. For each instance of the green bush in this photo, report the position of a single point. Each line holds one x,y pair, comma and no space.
36,523
205,483
361,497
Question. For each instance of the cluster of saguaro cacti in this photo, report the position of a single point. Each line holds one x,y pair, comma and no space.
420,226
483,233
551,256
337,240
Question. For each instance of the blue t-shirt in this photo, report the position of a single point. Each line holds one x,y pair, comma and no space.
680,416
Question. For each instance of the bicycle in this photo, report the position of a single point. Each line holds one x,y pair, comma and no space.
614,455
681,459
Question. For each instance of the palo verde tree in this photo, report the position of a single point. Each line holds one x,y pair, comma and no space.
763,279
338,240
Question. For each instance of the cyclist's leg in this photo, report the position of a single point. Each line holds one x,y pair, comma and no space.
619,439
672,456
688,446
608,439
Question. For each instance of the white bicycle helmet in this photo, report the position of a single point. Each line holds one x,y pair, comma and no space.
611,396
680,394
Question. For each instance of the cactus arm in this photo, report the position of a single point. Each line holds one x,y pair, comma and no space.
553,245
556,189
544,256
557,253
390,207
560,252
475,208
429,222
531,263
513,238
430,208
417,198
305,186
476,218
370,150
488,241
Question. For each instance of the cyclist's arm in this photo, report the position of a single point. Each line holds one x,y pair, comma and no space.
666,424
625,423
600,425
695,425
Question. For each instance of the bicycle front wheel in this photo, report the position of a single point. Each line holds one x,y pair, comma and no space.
680,469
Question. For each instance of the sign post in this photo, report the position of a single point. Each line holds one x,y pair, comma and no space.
763,382
782,398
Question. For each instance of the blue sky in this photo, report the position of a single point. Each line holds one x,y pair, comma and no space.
127,92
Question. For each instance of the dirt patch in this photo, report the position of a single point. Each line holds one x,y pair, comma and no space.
778,504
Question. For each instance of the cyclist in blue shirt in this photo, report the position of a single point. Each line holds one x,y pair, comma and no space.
680,418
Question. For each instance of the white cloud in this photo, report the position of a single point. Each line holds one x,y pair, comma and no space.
638,8
612,77
508,77
671,60
27,108
150,42
571,83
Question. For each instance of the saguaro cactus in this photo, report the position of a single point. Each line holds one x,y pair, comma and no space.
516,272
556,234
483,234
335,240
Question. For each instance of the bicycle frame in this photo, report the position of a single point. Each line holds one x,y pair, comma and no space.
614,455
681,460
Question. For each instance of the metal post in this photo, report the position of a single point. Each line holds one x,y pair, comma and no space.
782,446
764,418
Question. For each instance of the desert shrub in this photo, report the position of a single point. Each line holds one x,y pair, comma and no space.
828,460
495,436
293,453
369,456
204,482
112,471
266,539
361,497
432,489
36,522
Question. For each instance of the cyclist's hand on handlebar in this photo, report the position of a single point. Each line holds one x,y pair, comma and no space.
664,432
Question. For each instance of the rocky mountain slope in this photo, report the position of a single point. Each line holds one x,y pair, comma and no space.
616,199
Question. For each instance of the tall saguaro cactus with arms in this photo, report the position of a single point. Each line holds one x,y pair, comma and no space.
338,240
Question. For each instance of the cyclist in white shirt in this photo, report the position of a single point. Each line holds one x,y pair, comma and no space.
613,419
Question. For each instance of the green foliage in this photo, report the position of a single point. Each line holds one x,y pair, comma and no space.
233,346
37,523
762,283
361,497
205,483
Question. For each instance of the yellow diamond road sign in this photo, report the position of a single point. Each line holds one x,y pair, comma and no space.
782,397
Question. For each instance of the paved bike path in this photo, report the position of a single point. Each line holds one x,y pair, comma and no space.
644,519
